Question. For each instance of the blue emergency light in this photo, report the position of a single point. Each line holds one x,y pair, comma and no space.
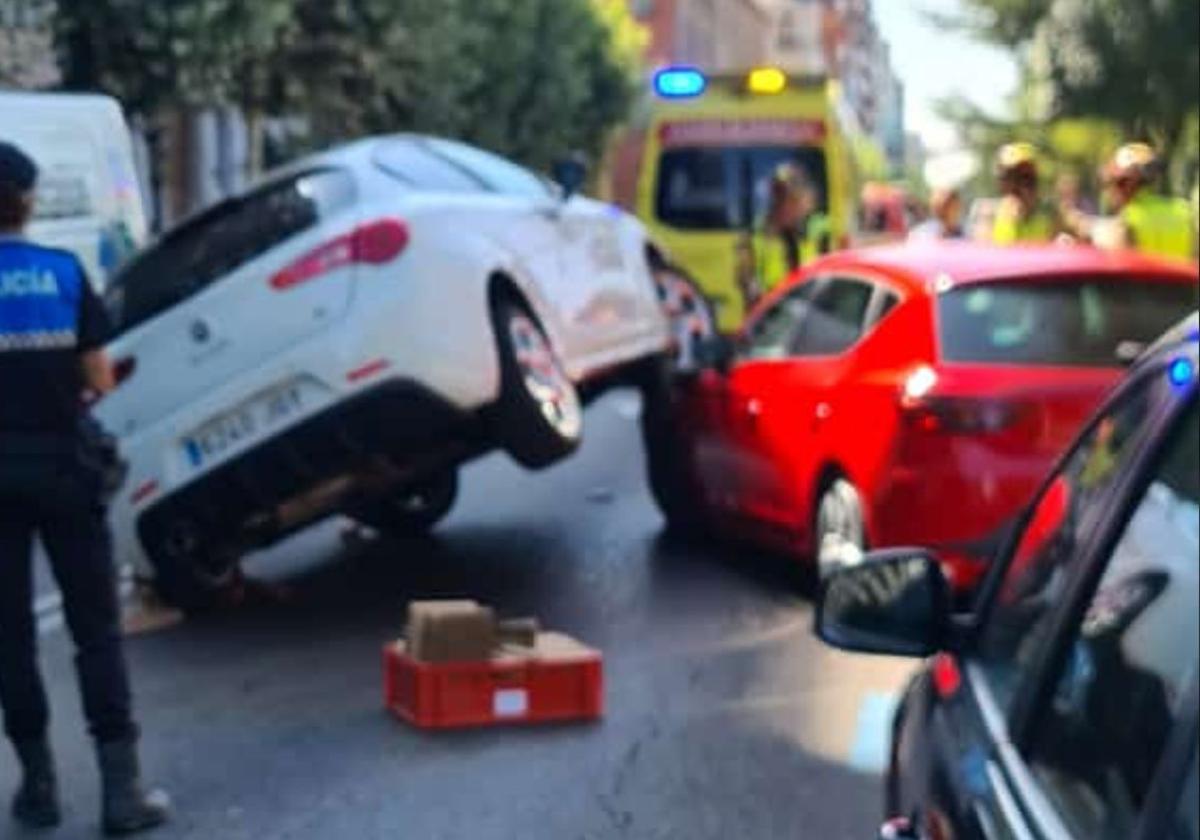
1181,372
679,82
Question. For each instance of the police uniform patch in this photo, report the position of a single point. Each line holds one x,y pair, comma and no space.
40,292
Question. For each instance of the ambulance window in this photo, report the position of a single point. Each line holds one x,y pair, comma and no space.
715,187
693,191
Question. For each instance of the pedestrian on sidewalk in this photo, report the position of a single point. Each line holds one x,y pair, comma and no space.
57,470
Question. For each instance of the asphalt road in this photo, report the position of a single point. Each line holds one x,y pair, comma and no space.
725,717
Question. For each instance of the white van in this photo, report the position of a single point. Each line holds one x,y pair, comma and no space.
89,200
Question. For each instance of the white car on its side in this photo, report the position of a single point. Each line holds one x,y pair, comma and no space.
340,338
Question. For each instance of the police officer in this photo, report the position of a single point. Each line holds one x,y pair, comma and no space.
1145,220
795,231
51,330
1021,217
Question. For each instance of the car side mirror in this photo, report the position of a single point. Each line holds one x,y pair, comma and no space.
895,602
570,174
714,352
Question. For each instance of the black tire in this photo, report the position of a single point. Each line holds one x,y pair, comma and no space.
690,313
672,484
413,510
189,574
539,417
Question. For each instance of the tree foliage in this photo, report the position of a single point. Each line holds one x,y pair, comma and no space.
175,52
25,38
529,78
1135,63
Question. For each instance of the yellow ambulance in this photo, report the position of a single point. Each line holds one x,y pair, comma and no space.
712,145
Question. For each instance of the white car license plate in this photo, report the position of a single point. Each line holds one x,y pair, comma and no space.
248,422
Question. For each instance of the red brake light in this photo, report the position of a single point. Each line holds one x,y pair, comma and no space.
380,242
374,243
963,415
931,412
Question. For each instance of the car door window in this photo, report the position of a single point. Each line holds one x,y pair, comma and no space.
885,301
1034,583
221,240
410,162
498,174
835,318
1098,742
770,336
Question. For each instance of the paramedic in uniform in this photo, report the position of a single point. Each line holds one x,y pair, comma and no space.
51,329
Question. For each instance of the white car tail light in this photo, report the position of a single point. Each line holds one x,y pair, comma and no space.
374,243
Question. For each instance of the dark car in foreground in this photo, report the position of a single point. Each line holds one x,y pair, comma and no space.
1064,703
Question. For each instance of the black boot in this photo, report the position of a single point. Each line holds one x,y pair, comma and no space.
36,802
127,809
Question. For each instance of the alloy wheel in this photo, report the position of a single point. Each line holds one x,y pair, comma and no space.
543,377
841,538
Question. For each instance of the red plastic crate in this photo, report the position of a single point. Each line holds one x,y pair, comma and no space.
565,684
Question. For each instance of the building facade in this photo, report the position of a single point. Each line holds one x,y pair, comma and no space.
840,38
715,35
27,59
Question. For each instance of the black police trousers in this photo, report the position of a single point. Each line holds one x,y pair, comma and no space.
72,525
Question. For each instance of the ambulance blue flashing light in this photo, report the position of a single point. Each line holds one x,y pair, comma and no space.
1181,372
679,82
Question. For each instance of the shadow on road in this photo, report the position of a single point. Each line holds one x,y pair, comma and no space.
771,572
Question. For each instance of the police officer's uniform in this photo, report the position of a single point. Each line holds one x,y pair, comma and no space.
781,254
1159,225
1011,227
53,487
49,315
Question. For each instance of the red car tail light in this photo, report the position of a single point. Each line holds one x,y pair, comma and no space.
374,243
963,415
929,411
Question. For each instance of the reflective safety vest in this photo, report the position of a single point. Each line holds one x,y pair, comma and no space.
1159,225
1009,228
771,250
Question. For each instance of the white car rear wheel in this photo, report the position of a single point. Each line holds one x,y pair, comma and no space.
189,574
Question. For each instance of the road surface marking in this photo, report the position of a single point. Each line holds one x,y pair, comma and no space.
869,752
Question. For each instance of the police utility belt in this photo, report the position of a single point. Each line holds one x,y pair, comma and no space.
38,462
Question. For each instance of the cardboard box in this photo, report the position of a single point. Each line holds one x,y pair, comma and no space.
450,631
518,632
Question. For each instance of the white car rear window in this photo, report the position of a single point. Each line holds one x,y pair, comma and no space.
202,251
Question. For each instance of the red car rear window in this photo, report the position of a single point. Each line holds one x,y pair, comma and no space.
1073,323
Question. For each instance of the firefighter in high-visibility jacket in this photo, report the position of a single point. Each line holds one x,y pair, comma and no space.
1143,219
1021,217
793,232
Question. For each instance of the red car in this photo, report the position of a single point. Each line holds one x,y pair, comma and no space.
908,395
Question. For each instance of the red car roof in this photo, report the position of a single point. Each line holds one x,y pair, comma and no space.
920,264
